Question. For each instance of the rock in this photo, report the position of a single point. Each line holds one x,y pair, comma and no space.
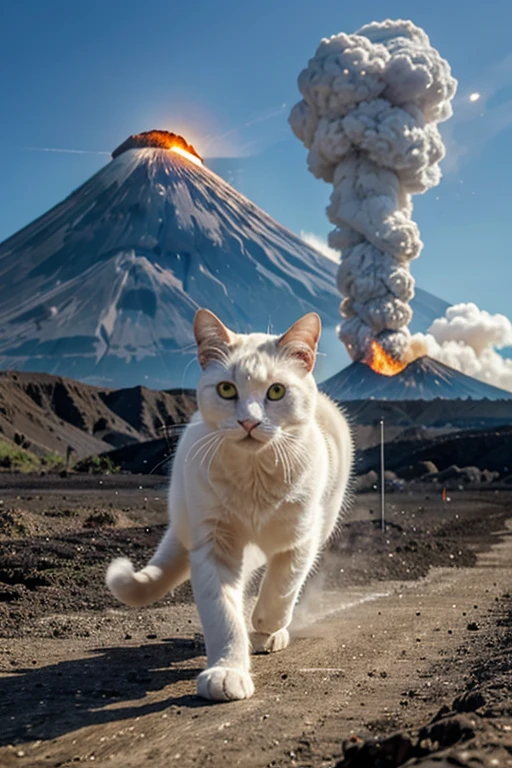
392,482
367,482
371,482
393,751
447,732
469,702
398,749
443,712
444,761
467,474
486,476
454,476
419,469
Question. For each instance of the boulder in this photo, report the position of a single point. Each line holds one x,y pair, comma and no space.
367,482
419,469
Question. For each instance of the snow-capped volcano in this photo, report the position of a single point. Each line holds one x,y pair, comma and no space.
104,287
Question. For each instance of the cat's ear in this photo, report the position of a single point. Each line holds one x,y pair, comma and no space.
212,337
301,340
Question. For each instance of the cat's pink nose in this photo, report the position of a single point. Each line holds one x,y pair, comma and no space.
249,424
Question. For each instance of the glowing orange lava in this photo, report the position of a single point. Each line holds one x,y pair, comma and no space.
159,140
189,156
380,362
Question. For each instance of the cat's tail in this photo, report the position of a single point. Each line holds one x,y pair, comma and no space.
166,570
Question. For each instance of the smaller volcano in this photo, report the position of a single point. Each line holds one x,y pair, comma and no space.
423,379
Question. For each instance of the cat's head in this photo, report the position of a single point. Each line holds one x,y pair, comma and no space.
256,388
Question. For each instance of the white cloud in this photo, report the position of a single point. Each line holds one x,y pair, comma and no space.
467,338
319,244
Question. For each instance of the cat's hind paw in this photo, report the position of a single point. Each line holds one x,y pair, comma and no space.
224,684
264,643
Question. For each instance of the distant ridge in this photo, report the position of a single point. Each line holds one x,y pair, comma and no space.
49,414
423,379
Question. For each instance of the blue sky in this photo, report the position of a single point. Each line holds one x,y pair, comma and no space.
86,75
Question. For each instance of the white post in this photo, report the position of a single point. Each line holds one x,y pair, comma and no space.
382,481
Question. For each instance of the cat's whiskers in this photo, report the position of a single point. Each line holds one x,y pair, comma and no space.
276,449
185,425
288,462
291,437
210,454
290,454
202,442
168,430
213,444
276,459
276,456
267,429
285,463
295,453
295,447
286,448
299,462
157,466
219,443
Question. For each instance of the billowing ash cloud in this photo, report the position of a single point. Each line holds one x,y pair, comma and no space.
369,114
467,338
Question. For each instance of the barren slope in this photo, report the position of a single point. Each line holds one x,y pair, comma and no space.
49,413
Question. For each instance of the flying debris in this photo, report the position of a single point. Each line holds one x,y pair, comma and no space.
371,104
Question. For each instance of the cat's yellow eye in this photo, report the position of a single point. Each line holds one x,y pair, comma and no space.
276,392
227,390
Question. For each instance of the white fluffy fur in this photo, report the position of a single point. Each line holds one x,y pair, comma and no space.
279,489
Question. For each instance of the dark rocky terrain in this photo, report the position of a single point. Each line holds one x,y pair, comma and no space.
486,449
401,644
137,428
44,413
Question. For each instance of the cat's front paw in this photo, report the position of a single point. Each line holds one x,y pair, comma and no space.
264,643
224,684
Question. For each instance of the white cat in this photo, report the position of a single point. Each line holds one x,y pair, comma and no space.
266,461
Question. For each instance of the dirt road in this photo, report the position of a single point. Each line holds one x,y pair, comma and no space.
375,649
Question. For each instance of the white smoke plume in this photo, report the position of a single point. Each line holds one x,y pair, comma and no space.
467,338
369,114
